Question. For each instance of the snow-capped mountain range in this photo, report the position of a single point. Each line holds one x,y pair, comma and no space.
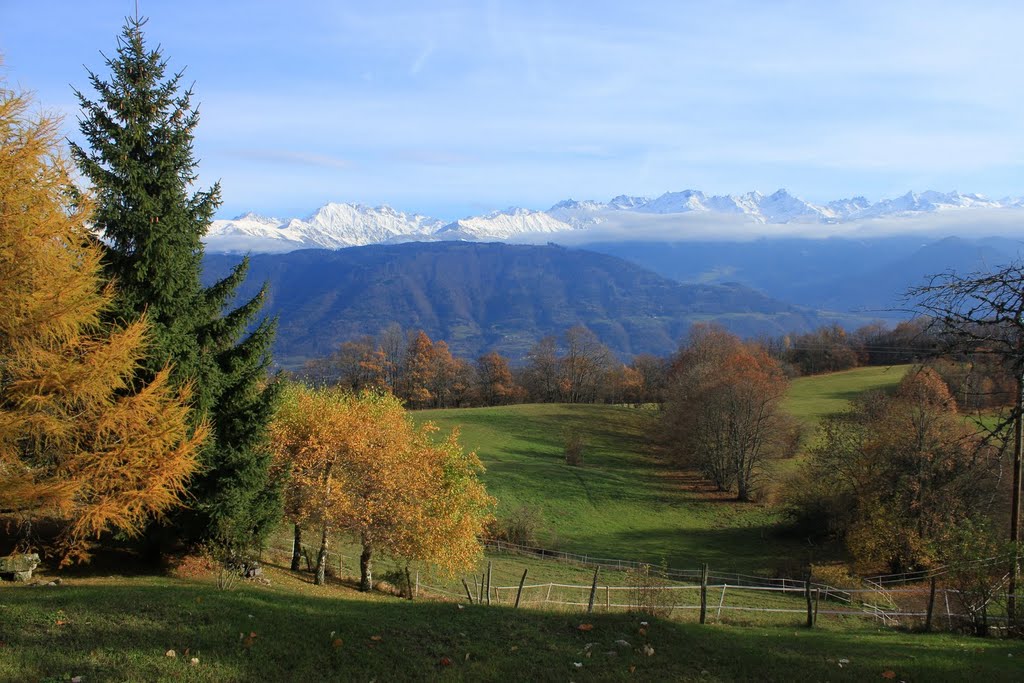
336,225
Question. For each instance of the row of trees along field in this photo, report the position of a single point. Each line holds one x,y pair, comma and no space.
575,368
979,379
132,399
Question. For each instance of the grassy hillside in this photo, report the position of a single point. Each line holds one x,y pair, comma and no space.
811,398
121,629
624,502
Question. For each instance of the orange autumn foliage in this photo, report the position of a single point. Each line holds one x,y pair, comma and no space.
358,465
723,409
80,444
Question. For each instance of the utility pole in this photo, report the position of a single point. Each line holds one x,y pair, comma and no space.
1018,447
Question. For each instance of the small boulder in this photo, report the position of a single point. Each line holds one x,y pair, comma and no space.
18,567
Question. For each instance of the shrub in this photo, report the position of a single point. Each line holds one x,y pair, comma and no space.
395,581
574,447
195,565
522,527
647,594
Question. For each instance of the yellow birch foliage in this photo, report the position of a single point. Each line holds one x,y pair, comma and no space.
358,465
78,443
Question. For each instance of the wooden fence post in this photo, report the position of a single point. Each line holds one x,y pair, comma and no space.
417,593
480,593
931,606
817,597
608,598
488,582
469,594
704,593
593,591
522,581
810,604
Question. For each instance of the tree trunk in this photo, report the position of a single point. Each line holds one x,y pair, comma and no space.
365,572
321,560
742,485
296,548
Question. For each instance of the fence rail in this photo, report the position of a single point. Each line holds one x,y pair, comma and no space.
687,575
886,598
553,594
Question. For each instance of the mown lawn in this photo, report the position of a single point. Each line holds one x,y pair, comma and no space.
120,629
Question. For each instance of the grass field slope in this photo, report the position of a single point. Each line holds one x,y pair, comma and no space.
811,398
624,502
124,629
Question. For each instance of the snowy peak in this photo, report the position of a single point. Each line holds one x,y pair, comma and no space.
675,202
626,202
779,207
782,207
332,226
338,225
503,225
352,225
845,207
930,201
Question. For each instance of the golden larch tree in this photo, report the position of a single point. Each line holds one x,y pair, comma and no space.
80,444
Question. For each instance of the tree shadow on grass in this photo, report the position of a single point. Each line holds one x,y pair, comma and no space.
122,632
755,548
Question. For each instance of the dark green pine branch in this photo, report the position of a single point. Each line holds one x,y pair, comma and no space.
139,156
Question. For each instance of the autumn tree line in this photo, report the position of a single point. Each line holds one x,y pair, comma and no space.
572,368
137,408
576,367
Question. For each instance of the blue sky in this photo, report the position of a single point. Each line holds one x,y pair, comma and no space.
455,108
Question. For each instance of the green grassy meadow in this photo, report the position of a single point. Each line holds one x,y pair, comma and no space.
627,503
624,502
120,629
811,398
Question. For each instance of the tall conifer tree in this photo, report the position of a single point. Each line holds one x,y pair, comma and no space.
140,160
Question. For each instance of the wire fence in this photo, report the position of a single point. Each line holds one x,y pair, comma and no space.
891,607
905,599
685,575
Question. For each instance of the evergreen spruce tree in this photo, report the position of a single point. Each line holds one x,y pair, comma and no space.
140,160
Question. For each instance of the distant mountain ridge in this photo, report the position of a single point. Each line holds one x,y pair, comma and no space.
340,225
484,296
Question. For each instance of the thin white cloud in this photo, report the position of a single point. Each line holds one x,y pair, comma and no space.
422,57
635,226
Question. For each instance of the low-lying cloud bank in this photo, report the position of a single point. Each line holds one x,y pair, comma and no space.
630,226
